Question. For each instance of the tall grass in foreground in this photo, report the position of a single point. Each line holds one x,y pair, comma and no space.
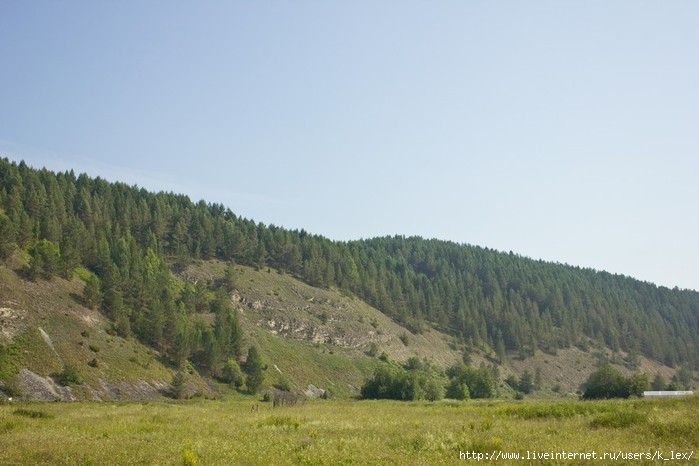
335,432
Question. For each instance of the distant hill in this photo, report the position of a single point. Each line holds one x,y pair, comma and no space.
133,259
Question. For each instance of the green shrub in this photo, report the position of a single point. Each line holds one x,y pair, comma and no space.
608,382
414,364
512,381
232,374
659,383
433,389
70,376
395,383
383,384
480,381
94,348
373,350
638,382
11,389
457,390
379,385
284,384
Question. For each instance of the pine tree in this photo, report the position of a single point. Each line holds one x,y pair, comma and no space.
255,370
44,259
70,255
475,294
526,385
179,388
500,348
7,236
229,277
92,296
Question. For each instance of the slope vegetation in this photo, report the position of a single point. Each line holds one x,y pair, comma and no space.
112,250
45,330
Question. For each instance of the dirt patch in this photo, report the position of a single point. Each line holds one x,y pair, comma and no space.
92,321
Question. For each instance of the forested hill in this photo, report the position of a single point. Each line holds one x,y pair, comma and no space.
128,236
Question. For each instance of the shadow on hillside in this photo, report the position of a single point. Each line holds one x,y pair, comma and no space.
79,299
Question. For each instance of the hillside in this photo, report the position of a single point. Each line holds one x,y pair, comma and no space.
170,284
313,337
318,336
310,336
44,329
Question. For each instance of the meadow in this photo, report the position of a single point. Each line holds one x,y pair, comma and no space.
223,432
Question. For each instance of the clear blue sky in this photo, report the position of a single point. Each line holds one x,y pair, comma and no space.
567,131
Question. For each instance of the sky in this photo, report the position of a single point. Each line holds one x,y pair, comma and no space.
564,131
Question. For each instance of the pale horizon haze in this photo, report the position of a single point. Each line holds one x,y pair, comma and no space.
563,131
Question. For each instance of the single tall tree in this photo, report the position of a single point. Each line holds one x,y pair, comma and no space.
255,370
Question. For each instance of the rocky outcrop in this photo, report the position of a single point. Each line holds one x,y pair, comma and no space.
304,329
12,321
37,388
34,387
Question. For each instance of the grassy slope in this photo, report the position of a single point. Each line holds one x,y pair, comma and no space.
274,305
340,432
316,336
287,307
72,334
312,336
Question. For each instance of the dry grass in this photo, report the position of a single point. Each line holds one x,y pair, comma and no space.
336,432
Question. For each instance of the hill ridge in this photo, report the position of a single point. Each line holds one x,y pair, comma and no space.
123,243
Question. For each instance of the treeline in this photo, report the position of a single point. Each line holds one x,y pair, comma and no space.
609,382
421,380
487,299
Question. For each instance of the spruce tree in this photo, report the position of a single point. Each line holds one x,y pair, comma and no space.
255,370
92,296
7,236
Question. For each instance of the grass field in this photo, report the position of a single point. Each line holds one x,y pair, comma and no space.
342,432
